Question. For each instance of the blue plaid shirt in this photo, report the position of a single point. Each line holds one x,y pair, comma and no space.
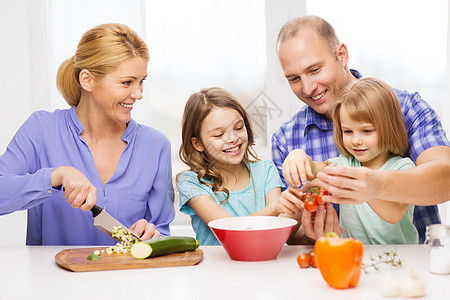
313,133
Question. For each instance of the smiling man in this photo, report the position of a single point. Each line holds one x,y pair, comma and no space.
315,64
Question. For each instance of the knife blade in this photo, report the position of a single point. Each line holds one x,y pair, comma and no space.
105,222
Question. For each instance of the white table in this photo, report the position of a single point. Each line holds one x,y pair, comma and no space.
31,273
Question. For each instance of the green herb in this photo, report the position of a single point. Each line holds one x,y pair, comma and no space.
387,257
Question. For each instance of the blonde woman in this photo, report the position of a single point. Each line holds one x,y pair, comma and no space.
92,153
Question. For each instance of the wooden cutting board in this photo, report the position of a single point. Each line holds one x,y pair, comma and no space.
76,260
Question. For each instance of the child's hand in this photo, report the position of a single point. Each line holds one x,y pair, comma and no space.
297,168
290,201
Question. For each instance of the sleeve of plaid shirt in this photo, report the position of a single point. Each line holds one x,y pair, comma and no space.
424,131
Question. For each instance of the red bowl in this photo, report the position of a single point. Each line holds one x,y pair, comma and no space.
253,238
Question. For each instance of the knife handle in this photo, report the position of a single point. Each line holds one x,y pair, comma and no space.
96,210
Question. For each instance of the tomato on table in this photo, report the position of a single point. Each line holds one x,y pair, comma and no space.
312,257
303,260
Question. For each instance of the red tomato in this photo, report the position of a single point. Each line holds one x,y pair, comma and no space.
311,205
312,257
318,199
318,195
303,260
306,196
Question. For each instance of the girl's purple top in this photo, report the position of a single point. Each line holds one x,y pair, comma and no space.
141,186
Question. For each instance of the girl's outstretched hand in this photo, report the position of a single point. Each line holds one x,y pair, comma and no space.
78,190
144,230
290,201
297,168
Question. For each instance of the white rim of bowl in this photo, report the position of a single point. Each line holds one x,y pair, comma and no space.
289,222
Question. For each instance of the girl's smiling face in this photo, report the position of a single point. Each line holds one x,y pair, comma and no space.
361,140
223,136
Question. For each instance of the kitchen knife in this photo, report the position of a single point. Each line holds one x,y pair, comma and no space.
106,222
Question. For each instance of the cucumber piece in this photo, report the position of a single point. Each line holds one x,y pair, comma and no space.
162,246
94,257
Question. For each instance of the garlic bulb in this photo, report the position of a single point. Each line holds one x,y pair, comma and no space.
411,287
389,286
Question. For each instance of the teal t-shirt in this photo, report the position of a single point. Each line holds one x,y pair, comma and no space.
264,178
362,223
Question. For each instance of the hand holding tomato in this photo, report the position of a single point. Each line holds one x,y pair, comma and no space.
313,198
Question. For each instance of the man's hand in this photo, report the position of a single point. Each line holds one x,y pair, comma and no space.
319,223
348,185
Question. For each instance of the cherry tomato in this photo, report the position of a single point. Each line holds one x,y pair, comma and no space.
318,193
311,205
306,196
312,257
303,260
318,199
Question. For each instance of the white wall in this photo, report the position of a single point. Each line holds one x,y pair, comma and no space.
16,83
277,87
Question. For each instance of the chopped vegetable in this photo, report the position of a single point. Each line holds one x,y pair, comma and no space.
126,239
94,257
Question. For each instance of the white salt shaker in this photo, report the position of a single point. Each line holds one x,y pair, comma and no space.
438,239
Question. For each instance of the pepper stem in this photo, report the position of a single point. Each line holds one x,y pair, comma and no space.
332,234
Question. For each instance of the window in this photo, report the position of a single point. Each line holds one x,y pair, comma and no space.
401,42
197,45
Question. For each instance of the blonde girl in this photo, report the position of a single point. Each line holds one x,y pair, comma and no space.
369,132
225,177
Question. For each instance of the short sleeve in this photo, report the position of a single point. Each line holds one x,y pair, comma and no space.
338,161
272,178
189,187
402,163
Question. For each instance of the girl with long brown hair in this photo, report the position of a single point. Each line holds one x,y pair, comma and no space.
225,177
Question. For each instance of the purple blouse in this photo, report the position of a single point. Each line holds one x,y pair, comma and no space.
141,186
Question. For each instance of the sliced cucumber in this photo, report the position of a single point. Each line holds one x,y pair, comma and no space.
94,257
162,246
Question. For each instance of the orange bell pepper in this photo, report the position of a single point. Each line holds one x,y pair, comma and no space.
339,260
